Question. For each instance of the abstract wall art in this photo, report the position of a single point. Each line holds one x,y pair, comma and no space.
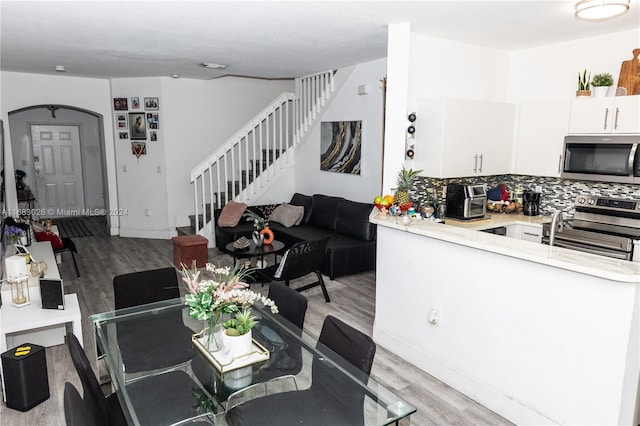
341,146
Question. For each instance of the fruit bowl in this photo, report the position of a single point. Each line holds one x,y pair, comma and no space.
405,207
380,206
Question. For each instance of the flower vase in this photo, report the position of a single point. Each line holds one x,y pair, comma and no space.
239,345
213,337
257,238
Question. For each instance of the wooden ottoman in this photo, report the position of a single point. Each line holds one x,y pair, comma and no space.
186,248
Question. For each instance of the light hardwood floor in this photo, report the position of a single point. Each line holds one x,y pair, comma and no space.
102,257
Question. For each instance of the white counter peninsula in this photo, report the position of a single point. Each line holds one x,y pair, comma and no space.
539,335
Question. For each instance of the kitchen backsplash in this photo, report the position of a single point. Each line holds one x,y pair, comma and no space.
556,193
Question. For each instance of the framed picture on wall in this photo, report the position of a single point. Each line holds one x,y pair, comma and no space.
138,148
341,146
120,104
121,121
138,127
153,121
124,135
153,135
135,103
151,104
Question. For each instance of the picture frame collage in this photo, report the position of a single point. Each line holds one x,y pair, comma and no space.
137,124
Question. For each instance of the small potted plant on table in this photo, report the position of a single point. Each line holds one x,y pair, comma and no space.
584,84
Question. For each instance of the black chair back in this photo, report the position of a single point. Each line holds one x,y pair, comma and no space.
301,259
93,395
291,304
351,344
140,288
76,410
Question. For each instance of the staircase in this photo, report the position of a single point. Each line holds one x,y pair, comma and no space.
250,161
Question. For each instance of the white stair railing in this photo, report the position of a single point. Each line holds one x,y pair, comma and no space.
244,167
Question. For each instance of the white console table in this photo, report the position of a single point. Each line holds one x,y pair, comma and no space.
31,323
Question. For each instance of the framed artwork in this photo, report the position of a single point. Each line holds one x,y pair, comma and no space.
121,121
341,146
135,103
138,127
151,104
138,148
120,104
153,121
124,135
153,136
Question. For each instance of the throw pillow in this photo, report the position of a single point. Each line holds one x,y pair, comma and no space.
56,242
287,215
231,214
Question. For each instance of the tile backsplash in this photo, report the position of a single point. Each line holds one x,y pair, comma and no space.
556,193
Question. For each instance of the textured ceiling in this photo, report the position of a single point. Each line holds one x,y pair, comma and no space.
263,39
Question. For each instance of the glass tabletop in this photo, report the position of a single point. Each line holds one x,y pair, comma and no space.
297,367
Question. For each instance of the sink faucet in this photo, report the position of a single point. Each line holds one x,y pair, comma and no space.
557,224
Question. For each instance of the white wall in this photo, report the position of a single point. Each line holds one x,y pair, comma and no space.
20,90
347,106
551,72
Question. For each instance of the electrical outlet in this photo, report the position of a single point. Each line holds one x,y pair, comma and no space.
434,316
147,212
538,188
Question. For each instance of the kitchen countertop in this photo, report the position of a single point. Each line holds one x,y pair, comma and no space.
462,232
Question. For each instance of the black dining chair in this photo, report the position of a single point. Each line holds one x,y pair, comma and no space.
105,410
333,398
291,304
142,346
165,398
301,259
76,410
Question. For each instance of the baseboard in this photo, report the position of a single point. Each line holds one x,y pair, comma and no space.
157,234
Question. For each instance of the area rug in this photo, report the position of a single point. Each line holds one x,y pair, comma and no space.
72,228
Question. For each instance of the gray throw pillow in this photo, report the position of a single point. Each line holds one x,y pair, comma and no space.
287,215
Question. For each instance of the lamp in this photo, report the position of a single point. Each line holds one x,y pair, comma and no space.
598,10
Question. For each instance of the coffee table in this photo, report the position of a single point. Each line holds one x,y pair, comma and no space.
254,251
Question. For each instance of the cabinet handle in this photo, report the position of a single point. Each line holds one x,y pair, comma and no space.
475,166
480,169
606,117
615,123
560,163
531,234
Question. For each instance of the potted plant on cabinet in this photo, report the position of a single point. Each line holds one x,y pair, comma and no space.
601,84
584,81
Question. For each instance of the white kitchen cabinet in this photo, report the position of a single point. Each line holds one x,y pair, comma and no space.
541,128
457,138
525,232
619,114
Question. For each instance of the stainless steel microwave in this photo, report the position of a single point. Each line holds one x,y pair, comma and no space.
608,158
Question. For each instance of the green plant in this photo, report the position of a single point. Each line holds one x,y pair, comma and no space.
603,79
241,324
584,81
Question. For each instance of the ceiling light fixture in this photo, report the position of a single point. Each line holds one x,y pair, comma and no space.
175,75
60,68
213,66
599,10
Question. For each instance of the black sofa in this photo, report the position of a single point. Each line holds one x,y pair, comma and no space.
352,238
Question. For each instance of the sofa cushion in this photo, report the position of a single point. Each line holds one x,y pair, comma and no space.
353,220
324,211
231,214
287,215
305,201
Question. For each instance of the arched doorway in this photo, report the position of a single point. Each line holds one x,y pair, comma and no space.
61,150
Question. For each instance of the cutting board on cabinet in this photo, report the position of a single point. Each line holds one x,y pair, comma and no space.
629,78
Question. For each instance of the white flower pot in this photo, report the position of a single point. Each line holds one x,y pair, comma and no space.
239,345
600,91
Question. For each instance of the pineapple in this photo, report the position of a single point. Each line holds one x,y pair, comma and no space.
404,182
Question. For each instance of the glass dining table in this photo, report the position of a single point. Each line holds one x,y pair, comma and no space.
296,367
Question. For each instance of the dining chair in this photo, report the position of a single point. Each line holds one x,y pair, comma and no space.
76,410
105,410
164,398
303,258
142,347
291,304
333,398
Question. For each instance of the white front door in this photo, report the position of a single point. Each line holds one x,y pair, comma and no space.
58,169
